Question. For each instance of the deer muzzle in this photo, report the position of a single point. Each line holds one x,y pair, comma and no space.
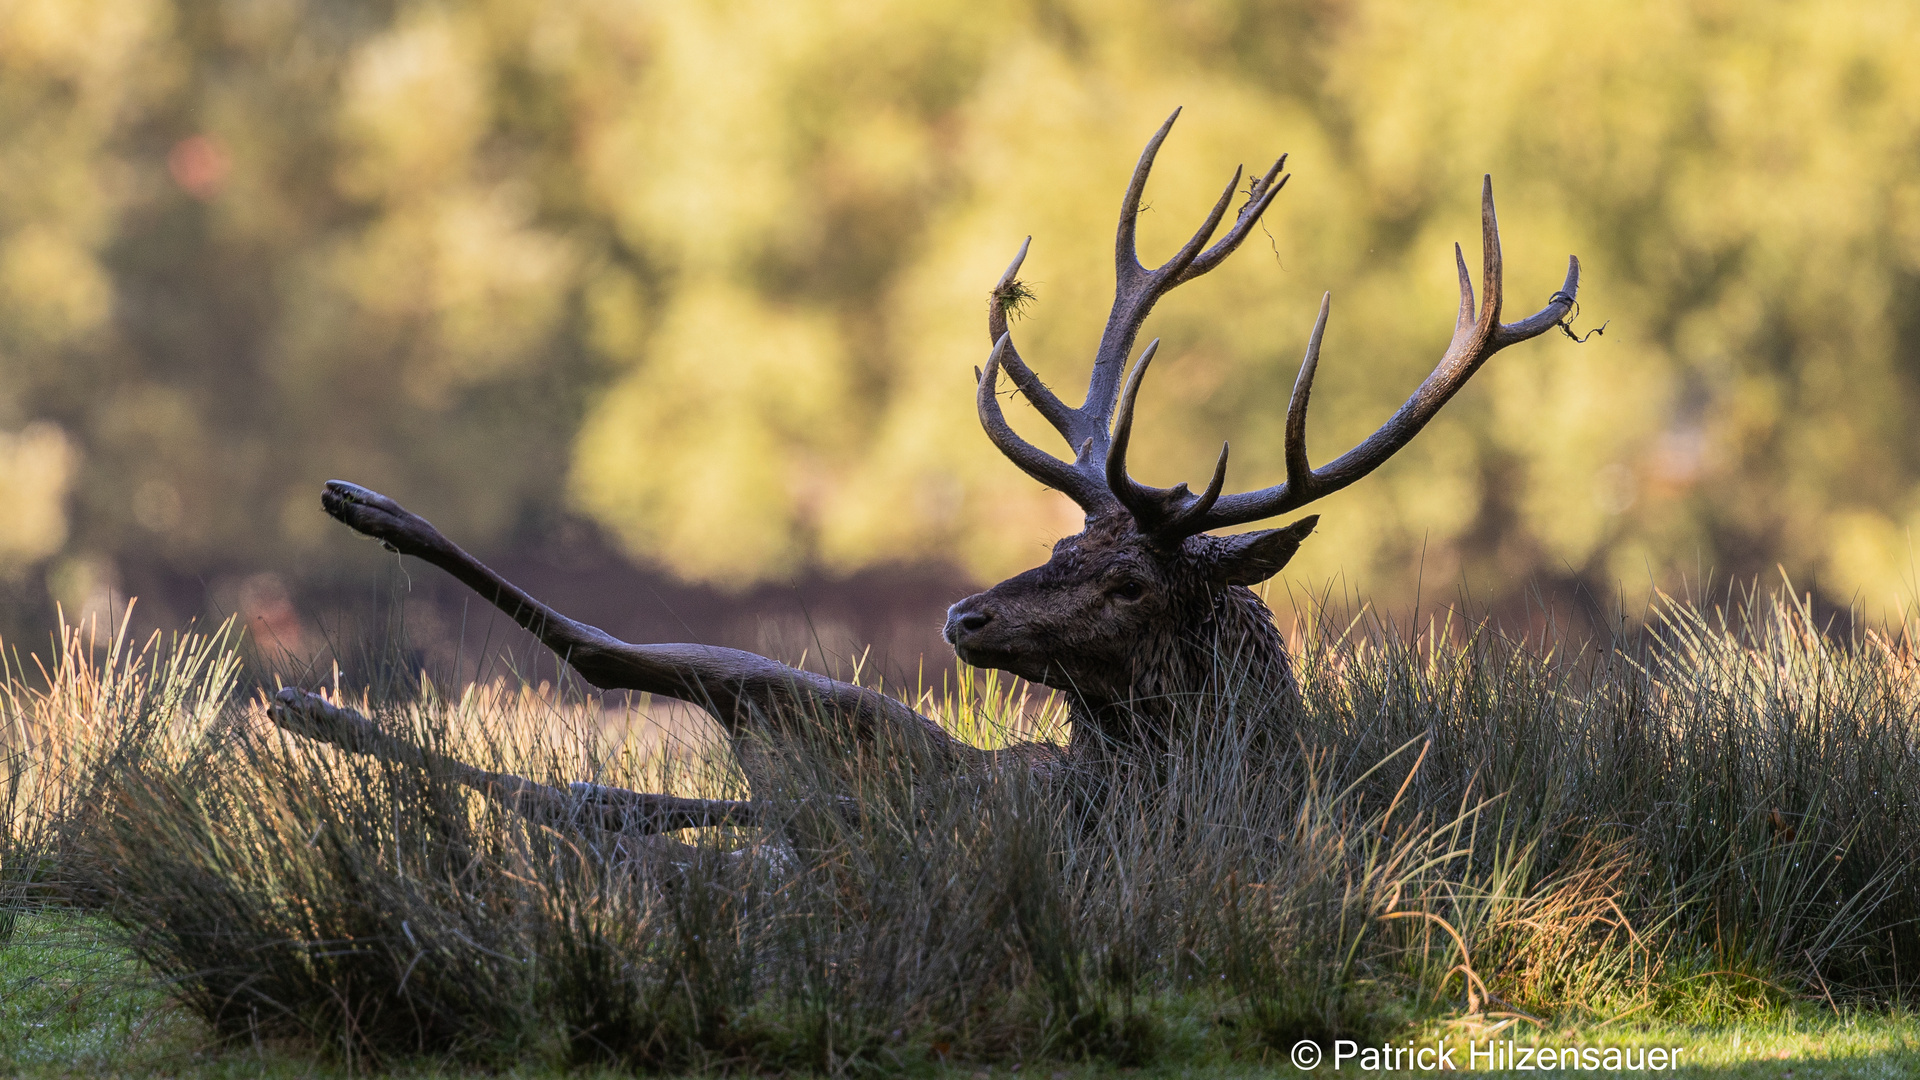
975,630
966,619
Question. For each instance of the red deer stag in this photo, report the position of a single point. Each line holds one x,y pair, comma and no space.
1133,619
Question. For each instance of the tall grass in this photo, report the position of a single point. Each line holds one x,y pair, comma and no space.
1714,813
64,716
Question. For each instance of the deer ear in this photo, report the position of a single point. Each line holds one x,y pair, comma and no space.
1251,558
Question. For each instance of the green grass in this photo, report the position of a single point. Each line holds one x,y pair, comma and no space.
74,1002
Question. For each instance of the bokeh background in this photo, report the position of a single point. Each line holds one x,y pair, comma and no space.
672,308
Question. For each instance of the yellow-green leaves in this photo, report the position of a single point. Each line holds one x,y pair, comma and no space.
714,453
36,464
714,273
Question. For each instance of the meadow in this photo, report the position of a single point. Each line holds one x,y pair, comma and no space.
1700,833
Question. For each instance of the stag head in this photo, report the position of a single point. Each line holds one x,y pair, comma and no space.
1140,607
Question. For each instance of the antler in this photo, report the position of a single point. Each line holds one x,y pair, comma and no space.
1097,477
1136,290
1475,338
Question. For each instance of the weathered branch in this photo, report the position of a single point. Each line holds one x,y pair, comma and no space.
613,809
744,691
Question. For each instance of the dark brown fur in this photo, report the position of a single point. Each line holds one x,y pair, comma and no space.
1134,632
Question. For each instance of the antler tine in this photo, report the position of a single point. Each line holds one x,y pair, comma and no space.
1171,270
1135,497
1299,475
1184,523
1490,282
1033,461
1466,319
1042,399
1546,318
1259,197
998,299
1474,340
1126,254
1165,512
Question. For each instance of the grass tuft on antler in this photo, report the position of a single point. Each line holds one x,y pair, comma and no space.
1013,297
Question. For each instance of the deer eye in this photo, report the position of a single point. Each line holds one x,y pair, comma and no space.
1128,591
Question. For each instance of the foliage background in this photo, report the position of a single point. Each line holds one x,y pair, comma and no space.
708,277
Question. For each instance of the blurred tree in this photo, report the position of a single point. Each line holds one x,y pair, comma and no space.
273,242
721,265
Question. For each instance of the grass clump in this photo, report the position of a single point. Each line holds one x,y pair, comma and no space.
1702,822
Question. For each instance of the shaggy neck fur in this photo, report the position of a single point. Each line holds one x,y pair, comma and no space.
1219,650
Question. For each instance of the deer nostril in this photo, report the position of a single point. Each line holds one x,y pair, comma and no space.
960,624
966,618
